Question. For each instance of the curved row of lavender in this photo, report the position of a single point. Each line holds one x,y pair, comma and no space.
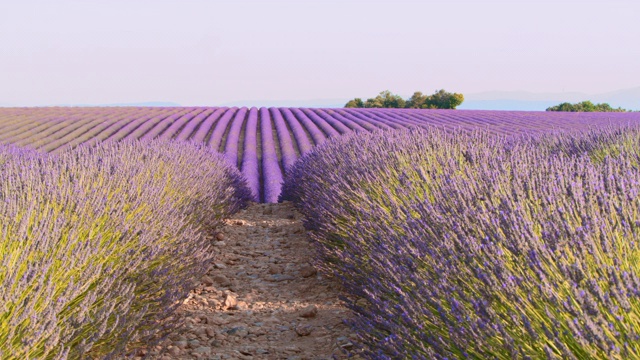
455,245
100,243
243,134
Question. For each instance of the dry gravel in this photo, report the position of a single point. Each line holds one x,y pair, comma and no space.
262,298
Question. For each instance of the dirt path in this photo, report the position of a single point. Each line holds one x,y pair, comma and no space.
262,299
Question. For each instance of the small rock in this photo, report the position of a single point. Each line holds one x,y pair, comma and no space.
257,331
141,352
201,300
246,351
215,343
308,271
182,344
309,311
220,243
210,332
230,302
220,265
261,351
233,287
238,222
303,330
344,342
194,344
292,348
219,236
239,331
347,346
222,280
268,210
274,269
174,351
279,277
216,320
207,280
204,350
242,305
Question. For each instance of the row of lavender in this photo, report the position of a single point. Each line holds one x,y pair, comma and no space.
262,143
456,245
99,244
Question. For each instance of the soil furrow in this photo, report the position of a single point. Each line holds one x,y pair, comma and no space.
262,298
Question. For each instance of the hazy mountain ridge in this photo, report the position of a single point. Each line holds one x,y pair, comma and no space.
523,100
314,103
489,100
134,104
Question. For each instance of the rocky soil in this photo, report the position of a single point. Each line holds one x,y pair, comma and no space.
262,298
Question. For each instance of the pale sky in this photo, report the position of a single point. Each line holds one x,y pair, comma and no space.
196,52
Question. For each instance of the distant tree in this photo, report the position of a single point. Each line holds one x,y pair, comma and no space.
441,99
355,103
444,100
416,101
376,102
585,106
565,106
604,107
385,99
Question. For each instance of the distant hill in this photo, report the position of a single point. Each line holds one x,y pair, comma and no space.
314,103
489,100
137,104
522,100
628,99
150,103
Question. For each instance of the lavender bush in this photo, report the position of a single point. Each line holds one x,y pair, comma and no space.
481,247
271,172
99,244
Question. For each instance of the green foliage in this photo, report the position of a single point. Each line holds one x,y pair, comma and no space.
355,103
440,99
385,99
443,100
417,100
585,106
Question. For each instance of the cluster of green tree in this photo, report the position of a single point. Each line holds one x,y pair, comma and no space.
438,100
585,106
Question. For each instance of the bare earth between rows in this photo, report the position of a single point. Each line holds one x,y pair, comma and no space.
262,298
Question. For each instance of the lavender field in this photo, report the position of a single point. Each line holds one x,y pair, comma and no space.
455,234
263,143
